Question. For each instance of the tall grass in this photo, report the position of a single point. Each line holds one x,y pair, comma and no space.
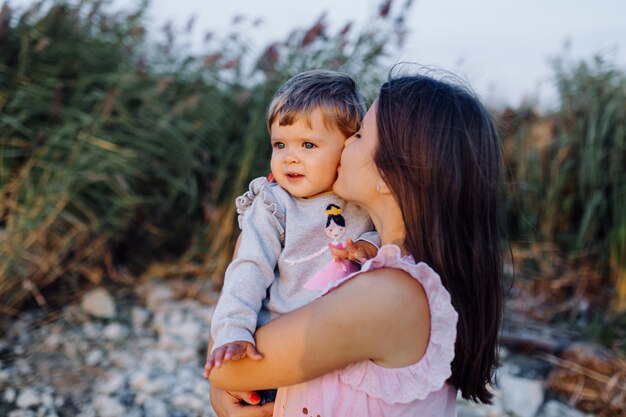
117,152
569,168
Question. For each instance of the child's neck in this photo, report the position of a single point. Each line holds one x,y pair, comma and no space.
320,194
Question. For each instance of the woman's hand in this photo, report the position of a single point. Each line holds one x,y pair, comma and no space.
229,404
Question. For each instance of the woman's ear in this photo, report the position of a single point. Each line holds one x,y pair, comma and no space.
382,187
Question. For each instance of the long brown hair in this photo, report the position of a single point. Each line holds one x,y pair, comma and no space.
440,154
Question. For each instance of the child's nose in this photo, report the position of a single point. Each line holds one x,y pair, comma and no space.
291,158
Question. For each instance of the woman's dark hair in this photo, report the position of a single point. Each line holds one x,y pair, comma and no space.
440,154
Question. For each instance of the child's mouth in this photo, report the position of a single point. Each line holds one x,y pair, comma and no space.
292,176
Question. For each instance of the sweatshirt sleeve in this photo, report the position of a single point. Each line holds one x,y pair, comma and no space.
252,272
371,237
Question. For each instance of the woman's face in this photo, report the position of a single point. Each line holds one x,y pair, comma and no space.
357,174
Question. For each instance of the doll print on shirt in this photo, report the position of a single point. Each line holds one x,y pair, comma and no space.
335,269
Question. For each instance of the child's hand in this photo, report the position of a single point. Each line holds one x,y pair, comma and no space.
359,251
231,352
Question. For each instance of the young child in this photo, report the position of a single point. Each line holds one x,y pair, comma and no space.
289,225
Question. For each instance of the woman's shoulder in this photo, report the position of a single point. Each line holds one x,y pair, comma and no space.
419,324
390,270
391,284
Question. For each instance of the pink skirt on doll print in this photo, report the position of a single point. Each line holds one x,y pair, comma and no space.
332,271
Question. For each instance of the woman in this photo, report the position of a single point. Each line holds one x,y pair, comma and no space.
420,321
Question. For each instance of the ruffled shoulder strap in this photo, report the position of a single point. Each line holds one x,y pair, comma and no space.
261,189
429,374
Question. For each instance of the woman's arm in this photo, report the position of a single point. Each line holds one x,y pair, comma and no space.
380,315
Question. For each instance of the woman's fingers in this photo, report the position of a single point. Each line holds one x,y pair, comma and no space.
229,404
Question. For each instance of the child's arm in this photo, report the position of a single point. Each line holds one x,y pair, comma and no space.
247,279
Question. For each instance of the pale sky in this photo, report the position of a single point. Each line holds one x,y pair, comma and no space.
502,47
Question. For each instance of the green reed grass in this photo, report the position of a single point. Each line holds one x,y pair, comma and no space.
571,184
117,152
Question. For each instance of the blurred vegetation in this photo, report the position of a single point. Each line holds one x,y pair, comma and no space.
567,198
121,153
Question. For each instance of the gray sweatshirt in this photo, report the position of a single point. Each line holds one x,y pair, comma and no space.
284,242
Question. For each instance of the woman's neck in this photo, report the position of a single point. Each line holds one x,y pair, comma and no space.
389,225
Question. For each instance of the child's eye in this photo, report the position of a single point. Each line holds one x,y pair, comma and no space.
358,135
308,145
279,145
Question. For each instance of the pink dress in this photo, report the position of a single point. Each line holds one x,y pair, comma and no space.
332,271
365,389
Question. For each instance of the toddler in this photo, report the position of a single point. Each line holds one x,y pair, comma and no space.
290,222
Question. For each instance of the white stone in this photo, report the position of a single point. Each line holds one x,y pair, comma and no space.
138,381
28,398
189,332
99,303
87,411
168,342
108,407
520,397
155,408
4,375
201,387
156,385
157,295
92,330
53,341
122,360
141,398
111,383
160,359
186,354
21,413
139,317
10,394
47,400
115,331
94,357
24,366
557,409
189,402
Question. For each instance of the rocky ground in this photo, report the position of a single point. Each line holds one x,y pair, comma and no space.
140,354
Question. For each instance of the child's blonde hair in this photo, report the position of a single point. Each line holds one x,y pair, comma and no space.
334,93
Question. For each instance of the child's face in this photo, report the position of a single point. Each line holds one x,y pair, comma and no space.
304,159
